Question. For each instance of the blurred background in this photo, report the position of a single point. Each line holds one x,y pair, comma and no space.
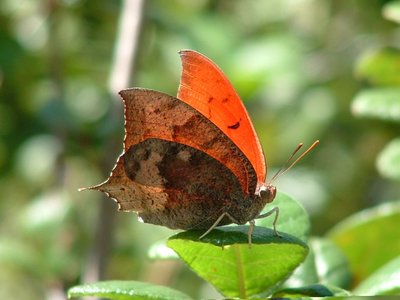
61,122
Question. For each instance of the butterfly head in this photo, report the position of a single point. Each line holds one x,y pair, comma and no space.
267,192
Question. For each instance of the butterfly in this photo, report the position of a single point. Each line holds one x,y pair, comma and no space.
193,161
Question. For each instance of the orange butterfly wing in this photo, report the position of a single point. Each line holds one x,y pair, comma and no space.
205,87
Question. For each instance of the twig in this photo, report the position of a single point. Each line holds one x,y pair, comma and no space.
120,73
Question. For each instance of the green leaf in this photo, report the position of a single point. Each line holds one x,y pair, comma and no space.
385,281
388,161
314,290
380,67
325,264
125,290
380,103
369,238
292,219
391,11
224,258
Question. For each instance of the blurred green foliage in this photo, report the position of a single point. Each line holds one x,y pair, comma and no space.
292,62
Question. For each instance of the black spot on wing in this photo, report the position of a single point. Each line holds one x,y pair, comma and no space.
234,126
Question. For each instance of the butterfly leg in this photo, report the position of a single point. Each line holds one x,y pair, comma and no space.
252,224
275,211
225,214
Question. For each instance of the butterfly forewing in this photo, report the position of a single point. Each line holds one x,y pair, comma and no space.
152,114
204,87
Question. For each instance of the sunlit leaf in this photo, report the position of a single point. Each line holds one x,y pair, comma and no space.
381,103
224,258
391,11
385,281
325,264
125,290
369,238
315,290
381,67
388,161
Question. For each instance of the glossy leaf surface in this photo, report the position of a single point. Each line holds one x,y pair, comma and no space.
391,11
369,239
125,290
388,161
380,103
315,290
225,259
325,264
385,281
380,67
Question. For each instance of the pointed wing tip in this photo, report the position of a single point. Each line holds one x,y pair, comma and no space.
184,51
94,187
127,94
124,92
98,187
187,52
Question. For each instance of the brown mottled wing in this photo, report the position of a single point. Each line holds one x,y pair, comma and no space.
164,173
184,187
151,114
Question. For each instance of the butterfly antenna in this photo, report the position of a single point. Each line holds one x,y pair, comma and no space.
284,169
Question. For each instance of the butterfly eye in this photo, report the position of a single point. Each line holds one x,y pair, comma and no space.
267,193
